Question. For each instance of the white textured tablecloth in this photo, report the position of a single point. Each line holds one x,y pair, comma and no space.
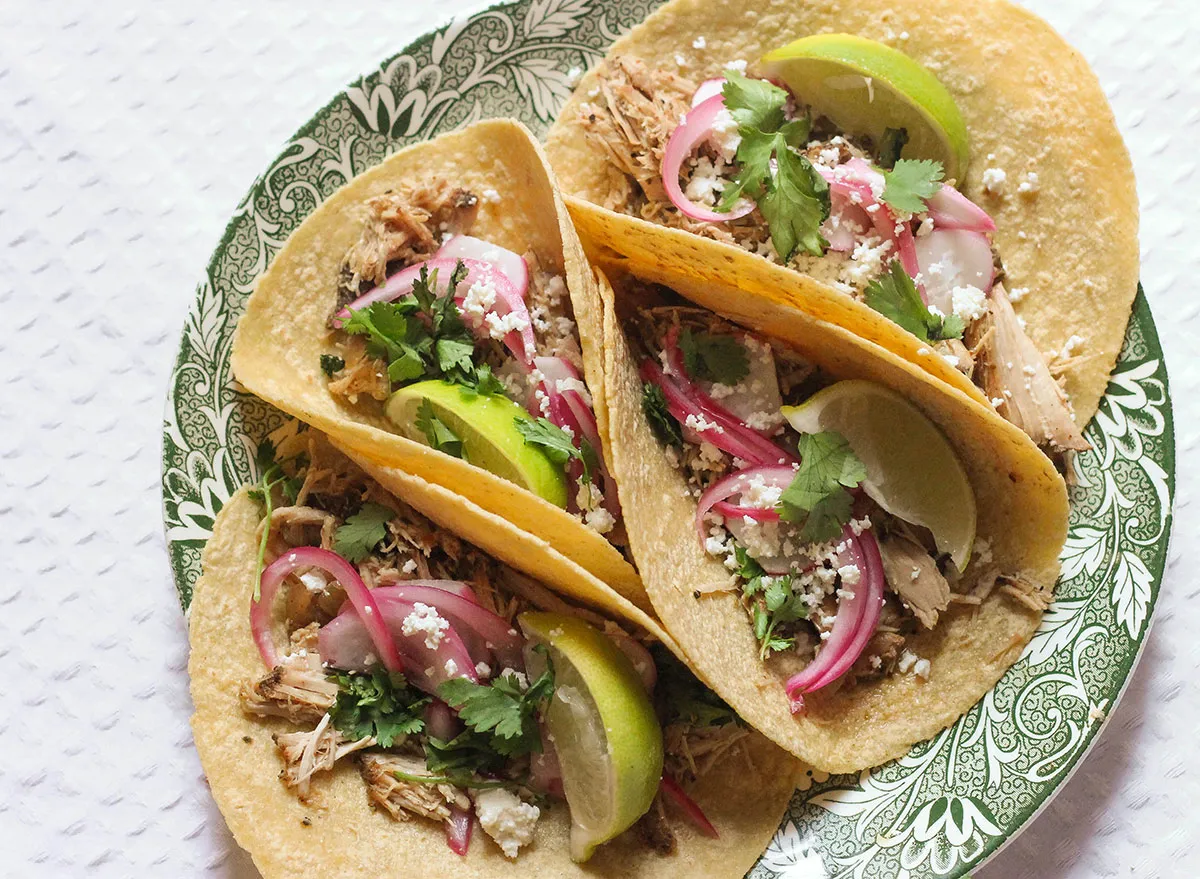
128,132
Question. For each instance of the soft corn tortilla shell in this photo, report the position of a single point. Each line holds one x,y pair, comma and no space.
1022,512
277,347
1031,103
345,836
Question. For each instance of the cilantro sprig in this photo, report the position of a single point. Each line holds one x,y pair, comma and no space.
664,425
895,296
910,182
792,196
558,445
818,495
355,538
772,603
437,433
423,335
715,357
271,474
379,704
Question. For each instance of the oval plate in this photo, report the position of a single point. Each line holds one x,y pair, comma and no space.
953,801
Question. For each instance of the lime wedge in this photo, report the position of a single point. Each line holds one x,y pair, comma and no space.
486,426
865,87
912,471
603,726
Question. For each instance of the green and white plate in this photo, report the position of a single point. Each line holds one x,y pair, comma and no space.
951,802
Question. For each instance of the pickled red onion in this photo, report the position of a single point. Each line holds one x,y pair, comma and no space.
950,209
360,598
695,128
708,89
512,264
671,789
458,830
735,483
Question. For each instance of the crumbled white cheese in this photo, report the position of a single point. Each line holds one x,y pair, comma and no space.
760,495
710,458
425,619
921,669
923,351
479,299
599,520
500,326
850,575
314,581
916,574
699,43
951,359
969,303
409,566
762,420
699,424
725,134
483,669
1030,184
706,182
451,667
997,402
858,526
491,196
993,180
925,228
739,65
1097,712
680,60
1071,345
866,260
1016,294
573,76
519,676
910,662
506,819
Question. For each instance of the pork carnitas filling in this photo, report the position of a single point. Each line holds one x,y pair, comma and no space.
464,320
793,571
630,114
416,760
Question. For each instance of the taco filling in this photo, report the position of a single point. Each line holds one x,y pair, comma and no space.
468,348
844,516
466,692
748,162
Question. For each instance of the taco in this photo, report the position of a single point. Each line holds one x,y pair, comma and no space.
948,180
851,553
436,314
423,689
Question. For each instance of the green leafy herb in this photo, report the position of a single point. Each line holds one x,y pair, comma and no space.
891,145
483,383
895,296
771,601
504,709
910,182
465,781
681,698
715,357
818,494
378,704
437,434
793,197
654,404
467,754
331,363
361,533
558,445
271,474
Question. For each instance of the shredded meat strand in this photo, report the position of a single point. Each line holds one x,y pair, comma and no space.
401,799
297,689
914,576
1031,595
307,753
1013,372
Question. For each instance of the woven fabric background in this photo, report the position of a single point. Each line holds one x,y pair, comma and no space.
128,133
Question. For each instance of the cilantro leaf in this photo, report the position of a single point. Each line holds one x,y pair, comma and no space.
455,354
754,103
437,434
504,709
555,442
654,404
331,363
716,357
910,182
378,704
895,296
817,496
358,535
795,205
891,145
468,753
681,698
482,383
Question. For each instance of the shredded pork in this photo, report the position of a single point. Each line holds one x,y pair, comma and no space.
402,799
297,689
1014,374
307,753
914,576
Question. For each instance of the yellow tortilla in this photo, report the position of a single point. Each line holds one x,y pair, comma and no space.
338,833
277,347
1031,104
1022,510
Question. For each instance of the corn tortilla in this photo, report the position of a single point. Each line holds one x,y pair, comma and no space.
1022,514
278,343
1031,104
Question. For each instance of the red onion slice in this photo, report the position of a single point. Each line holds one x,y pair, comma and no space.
694,130
962,258
458,830
342,646
672,791
639,656
730,511
854,625
338,569
545,772
512,264
708,89
735,484
493,633
950,209
855,184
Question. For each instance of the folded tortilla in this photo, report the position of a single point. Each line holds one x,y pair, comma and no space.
1022,514
279,341
337,832
1031,104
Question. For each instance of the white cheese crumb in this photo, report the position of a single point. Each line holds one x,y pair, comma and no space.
1072,344
921,669
923,351
599,520
491,196
680,60
506,819
1030,184
969,303
951,359
850,574
739,65
483,669
858,526
996,402
699,43
1097,712
725,134
479,299
925,228
409,566
425,619
451,667
993,181
700,424
573,76
314,581
500,326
